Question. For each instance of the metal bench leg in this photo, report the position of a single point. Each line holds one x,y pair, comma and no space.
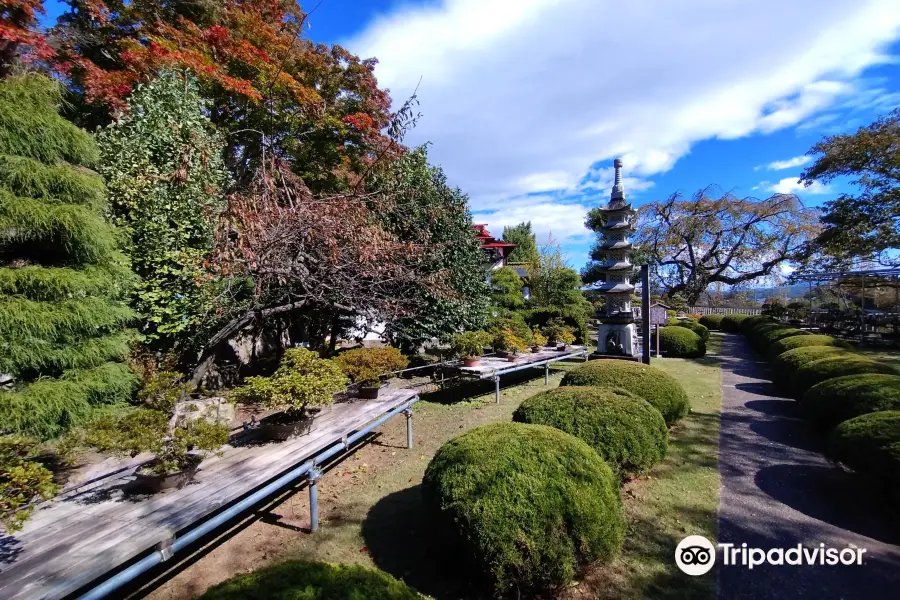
547,374
408,413
497,388
313,478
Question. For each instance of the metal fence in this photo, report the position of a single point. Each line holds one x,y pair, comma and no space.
706,310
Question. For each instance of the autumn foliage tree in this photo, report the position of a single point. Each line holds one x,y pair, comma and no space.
18,36
865,224
272,92
711,238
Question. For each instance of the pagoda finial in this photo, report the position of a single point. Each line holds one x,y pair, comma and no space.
618,191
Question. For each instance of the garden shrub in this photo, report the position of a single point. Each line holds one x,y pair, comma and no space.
625,430
732,323
679,342
870,445
364,365
755,321
514,323
469,344
768,337
528,505
712,322
802,341
834,401
836,366
307,580
22,479
694,326
660,389
787,363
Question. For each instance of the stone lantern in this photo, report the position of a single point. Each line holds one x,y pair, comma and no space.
617,334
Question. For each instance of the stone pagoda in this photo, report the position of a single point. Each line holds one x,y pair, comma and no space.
618,333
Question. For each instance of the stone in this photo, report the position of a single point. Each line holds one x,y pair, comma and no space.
217,411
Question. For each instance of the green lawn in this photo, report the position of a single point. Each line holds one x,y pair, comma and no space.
373,514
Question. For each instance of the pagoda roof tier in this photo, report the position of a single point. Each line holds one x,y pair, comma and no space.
619,245
617,266
618,227
625,208
616,287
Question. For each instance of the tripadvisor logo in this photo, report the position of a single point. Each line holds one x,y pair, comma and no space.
696,555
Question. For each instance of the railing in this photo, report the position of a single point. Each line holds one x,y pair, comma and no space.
706,310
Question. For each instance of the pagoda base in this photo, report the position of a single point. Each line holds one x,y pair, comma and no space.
617,339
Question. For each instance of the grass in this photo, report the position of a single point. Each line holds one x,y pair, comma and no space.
679,497
887,356
372,510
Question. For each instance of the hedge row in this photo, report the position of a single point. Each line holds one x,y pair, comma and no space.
712,322
529,503
680,342
695,326
840,390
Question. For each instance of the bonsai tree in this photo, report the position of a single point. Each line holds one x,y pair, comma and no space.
469,344
302,380
147,430
538,339
366,365
21,481
558,332
507,341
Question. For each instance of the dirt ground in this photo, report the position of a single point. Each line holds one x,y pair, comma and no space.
366,502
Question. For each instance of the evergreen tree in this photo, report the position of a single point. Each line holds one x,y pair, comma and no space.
165,173
506,289
62,276
526,251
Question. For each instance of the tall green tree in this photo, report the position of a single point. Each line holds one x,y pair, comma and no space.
506,289
526,250
429,213
165,172
552,282
62,276
867,223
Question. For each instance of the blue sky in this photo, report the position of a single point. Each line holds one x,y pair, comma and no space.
527,102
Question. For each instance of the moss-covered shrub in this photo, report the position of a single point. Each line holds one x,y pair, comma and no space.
302,580
768,337
802,341
732,323
835,366
528,505
786,364
656,387
625,430
679,342
694,326
833,401
751,323
870,445
712,322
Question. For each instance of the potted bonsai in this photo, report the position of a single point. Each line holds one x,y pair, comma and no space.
558,334
178,451
538,341
300,387
365,366
469,346
508,345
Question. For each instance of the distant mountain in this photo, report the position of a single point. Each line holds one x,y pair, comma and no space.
795,291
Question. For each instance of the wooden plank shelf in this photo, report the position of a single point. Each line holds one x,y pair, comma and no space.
81,537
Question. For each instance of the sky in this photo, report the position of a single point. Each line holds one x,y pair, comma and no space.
525,103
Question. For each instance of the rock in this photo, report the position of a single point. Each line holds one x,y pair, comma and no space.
217,411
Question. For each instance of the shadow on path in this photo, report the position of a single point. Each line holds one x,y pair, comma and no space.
778,490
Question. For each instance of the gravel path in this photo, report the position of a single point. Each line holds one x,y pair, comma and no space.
778,490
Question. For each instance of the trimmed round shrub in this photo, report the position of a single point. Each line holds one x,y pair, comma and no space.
870,445
694,326
835,366
679,342
528,505
834,401
786,364
802,341
660,389
712,322
770,336
303,580
732,323
755,321
625,430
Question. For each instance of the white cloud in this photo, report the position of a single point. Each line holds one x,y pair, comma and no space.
780,165
526,96
792,185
